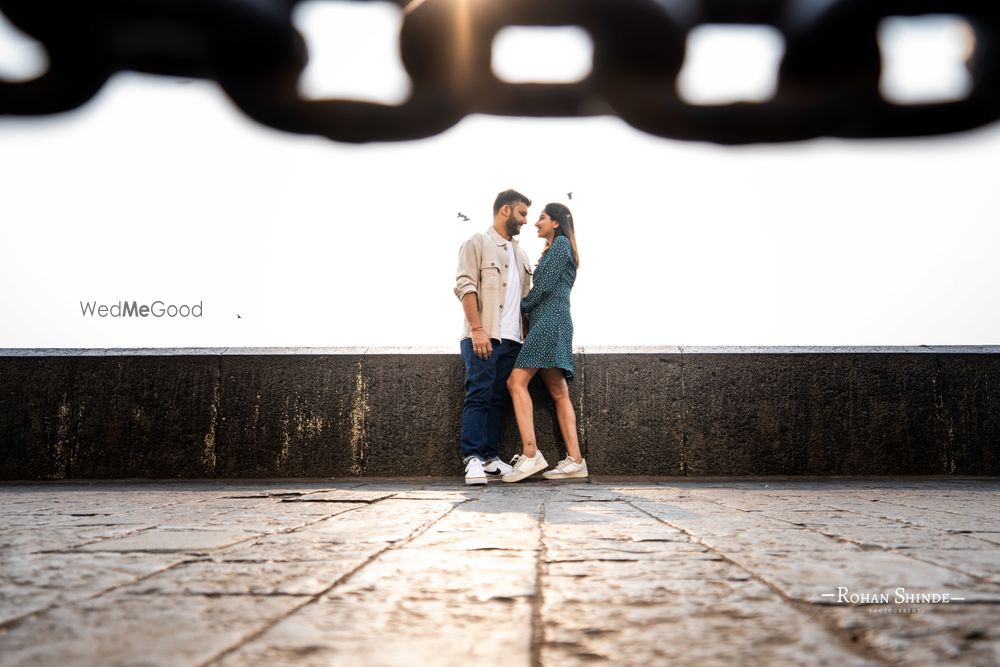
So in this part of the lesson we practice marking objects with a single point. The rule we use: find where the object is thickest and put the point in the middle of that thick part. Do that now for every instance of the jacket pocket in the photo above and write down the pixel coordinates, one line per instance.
(489, 275)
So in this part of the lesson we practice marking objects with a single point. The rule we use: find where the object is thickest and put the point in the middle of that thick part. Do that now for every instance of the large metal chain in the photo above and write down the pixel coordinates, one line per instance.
(828, 82)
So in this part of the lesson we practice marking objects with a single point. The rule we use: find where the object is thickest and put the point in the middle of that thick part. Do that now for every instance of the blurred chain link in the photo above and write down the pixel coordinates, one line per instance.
(828, 83)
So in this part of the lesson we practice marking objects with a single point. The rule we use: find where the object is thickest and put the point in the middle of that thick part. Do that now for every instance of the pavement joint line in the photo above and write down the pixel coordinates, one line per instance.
(896, 503)
(870, 547)
(812, 529)
(914, 524)
(984, 581)
(78, 546)
(364, 501)
(537, 627)
(852, 643)
(931, 509)
(292, 529)
(201, 559)
(10, 623)
(206, 550)
(17, 620)
(6, 625)
(300, 494)
(344, 578)
(762, 513)
(223, 594)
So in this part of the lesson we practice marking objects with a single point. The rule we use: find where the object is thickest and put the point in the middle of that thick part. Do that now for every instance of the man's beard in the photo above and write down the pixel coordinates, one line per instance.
(512, 227)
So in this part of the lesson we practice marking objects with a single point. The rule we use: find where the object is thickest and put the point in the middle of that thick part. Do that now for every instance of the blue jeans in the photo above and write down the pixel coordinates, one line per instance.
(485, 394)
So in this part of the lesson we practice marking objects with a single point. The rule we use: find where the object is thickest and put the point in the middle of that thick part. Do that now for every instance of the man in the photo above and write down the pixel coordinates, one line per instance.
(494, 274)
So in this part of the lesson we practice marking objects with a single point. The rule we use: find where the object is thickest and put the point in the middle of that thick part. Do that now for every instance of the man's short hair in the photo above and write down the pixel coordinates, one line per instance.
(508, 197)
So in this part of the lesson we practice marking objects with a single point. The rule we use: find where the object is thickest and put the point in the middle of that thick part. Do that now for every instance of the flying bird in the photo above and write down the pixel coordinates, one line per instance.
(569, 194)
(463, 216)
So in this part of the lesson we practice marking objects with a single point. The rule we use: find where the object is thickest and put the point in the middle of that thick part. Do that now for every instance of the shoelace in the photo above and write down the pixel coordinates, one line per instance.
(565, 463)
(513, 461)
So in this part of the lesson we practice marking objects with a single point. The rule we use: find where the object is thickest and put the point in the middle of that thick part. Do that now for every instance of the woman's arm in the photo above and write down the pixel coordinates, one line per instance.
(559, 256)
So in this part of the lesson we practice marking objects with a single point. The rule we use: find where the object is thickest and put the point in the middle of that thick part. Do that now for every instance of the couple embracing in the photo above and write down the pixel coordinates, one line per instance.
(513, 330)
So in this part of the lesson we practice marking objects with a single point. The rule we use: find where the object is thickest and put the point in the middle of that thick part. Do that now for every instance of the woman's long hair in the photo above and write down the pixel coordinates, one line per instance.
(561, 214)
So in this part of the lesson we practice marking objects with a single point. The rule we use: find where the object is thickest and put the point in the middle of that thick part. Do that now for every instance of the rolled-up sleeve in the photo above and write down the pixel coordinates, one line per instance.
(467, 278)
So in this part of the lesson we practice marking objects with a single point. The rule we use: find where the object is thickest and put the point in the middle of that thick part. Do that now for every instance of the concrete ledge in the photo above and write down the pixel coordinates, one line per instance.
(670, 411)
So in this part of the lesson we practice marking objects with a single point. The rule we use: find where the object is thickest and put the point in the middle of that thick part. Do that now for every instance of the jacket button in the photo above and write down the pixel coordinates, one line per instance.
(492, 264)
(504, 285)
(501, 306)
(506, 266)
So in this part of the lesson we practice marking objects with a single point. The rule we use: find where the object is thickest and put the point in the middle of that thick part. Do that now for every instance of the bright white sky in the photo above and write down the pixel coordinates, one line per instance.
(163, 191)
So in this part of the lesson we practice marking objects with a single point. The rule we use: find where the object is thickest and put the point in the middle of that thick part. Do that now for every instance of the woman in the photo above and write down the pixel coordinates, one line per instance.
(548, 349)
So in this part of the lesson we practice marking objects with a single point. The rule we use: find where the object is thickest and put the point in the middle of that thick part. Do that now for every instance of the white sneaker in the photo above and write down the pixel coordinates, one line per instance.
(496, 467)
(567, 469)
(524, 466)
(474, 473)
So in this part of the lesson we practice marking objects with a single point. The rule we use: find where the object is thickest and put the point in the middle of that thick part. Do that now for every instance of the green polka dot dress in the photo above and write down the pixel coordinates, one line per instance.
(549, 343)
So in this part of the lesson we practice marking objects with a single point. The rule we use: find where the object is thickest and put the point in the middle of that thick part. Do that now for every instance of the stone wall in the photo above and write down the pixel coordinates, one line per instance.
(248, 412)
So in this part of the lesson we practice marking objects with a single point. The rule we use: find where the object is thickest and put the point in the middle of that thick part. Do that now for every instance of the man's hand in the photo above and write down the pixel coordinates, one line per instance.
(481, 344)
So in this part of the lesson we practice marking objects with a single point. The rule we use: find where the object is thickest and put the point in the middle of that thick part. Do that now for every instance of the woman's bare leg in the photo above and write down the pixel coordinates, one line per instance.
(555, 381)
(517, 384)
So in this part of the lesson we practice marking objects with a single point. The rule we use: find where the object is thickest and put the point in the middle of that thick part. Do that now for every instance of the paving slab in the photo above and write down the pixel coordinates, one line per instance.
(31, 582)
(411, 572)
(134, 630)
(165, 540)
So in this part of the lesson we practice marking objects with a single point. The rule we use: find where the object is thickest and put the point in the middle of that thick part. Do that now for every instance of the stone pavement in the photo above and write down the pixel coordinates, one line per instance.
(387, 572)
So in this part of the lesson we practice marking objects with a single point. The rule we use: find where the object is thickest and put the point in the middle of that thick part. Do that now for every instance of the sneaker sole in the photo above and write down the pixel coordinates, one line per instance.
(517, 477)
(570, 475)
(475, 481)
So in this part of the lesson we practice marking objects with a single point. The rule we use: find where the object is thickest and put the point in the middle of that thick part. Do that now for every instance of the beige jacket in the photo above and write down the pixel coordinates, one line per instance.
(482, 268)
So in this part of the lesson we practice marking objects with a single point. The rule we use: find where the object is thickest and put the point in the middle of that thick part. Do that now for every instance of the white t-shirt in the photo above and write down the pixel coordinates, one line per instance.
(510, 321)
